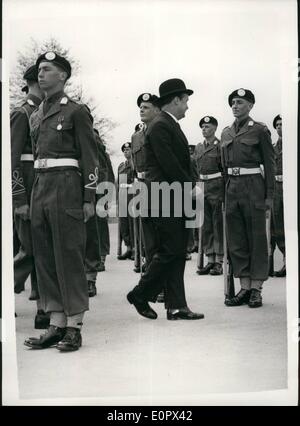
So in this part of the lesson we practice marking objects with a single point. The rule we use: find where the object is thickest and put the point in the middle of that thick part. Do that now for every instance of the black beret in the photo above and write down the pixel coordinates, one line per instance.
(243, 94)
(125, 145)
(30, 74)
(147, 97)
(56, 59)
(278, 117)
(208, 119)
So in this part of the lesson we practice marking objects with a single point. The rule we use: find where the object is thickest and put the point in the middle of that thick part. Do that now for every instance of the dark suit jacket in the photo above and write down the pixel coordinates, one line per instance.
(167, 156)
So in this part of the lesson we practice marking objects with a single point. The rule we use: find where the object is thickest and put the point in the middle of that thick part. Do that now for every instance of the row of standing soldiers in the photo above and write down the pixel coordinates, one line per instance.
(208, 159)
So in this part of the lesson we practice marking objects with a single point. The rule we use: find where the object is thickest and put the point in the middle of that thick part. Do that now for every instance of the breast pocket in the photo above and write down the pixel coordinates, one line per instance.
(62, 134)
(249, 150)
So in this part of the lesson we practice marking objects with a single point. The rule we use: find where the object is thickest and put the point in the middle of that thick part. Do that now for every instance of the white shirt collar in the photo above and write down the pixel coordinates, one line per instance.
(174, 118)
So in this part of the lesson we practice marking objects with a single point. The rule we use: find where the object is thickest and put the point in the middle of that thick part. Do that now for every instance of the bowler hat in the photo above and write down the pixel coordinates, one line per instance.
(278, 117)
(173, 86)
(243, 94)
(147, 97)
(208, 119)
(56, 59)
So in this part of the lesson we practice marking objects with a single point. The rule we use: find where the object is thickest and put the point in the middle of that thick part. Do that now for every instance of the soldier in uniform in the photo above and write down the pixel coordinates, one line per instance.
(277, 210)
(208, 158)
(63, 197)
(124, 182)
(167, 160)
(246, 145)
(93, 227)
(103, 221)
(22, 180)
(148, 106)
(192, 245)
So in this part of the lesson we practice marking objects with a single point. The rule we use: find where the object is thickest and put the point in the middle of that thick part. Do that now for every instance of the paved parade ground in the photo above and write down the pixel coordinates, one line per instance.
(126, 356)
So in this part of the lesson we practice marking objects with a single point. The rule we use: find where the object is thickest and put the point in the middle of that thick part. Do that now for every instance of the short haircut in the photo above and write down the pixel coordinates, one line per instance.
(169, 99)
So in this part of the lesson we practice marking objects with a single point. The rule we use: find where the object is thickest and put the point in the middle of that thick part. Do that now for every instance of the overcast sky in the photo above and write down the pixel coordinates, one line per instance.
(129, 47)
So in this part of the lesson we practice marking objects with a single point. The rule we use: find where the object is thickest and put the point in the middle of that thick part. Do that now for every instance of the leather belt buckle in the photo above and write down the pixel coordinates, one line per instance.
(236, 171)
(42, 163)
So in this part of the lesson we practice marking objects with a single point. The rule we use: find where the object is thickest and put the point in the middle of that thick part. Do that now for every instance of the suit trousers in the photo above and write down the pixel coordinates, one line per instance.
(59, 237)
(246, 226)
(167, 251)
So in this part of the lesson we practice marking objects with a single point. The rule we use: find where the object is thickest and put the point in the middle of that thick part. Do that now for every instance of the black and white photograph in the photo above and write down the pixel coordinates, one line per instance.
(149, 204)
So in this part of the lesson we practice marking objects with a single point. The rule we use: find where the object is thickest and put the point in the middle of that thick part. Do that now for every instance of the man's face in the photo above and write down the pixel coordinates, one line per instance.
(148, 111)
(208, 130)
(182, 106)
(127, 153)
(279, 127)
(240, 107)
(49, 75)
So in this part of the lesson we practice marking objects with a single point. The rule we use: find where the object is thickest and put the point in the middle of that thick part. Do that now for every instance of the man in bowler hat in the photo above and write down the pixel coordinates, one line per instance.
(167, 160)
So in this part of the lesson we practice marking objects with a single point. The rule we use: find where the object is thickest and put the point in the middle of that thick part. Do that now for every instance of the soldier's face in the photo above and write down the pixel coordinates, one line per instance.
(182, 106)
(50, 76)
(148, 111)
(279, 127)
(208, 130)
(127, 153)
(240, 107)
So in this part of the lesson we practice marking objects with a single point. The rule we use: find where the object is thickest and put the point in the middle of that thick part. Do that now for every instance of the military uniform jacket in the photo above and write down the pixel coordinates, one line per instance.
(66, 131)
(137, 150)
(278, 157)
(125, 168)
(208, 157)
(249, 147)
(21, 144)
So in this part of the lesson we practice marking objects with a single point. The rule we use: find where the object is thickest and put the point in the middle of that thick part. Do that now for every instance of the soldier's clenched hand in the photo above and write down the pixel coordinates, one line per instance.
(23, 212)
(88, 211)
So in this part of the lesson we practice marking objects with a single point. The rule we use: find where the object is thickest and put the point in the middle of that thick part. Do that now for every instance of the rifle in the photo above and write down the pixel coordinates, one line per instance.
(200, 254)
(141, 245)
(119, 244)
(136, 243)
(229, 290)
(270, 243)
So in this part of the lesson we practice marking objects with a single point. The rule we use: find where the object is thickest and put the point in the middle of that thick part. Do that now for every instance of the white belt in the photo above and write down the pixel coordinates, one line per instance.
(237, 171)
(27, 157)
(141, 175)
(211, 176)
(278, 178)
(45, 163)
(125, 185)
